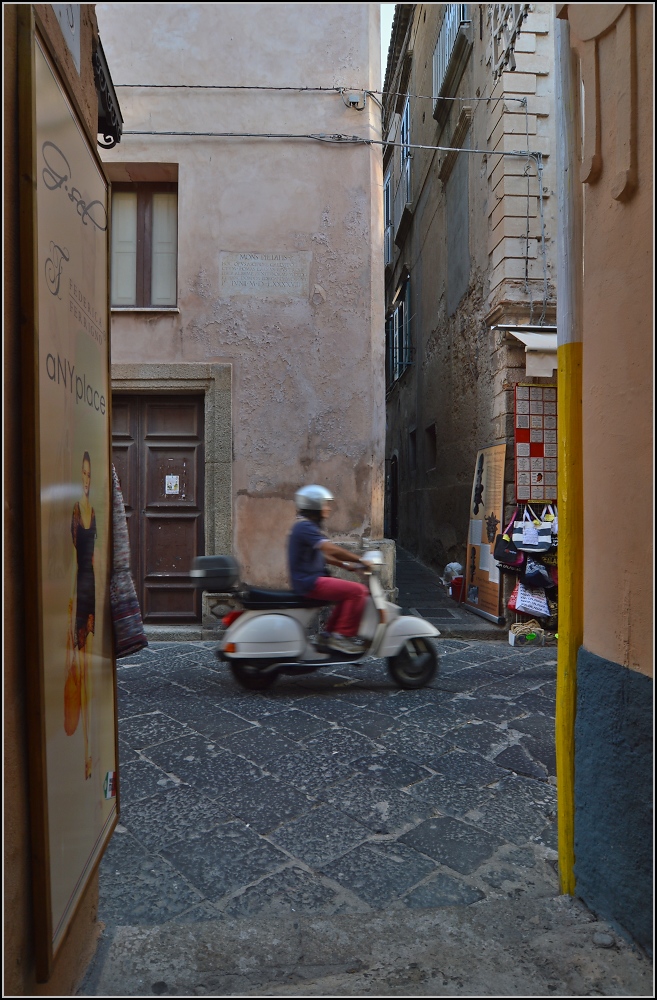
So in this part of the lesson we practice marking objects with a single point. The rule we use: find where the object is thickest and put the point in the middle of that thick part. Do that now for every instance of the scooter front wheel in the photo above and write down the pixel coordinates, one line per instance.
(415, 664)
(251, 677)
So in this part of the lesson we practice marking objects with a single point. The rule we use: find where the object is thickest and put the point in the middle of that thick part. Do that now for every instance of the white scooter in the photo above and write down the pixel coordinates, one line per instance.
(272, 634)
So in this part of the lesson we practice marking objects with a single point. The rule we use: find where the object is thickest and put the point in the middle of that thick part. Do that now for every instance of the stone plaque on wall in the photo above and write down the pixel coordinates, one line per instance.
(265, 275)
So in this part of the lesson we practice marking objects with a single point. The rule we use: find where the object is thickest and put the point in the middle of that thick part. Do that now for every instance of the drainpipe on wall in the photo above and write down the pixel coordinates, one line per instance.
(570, 483)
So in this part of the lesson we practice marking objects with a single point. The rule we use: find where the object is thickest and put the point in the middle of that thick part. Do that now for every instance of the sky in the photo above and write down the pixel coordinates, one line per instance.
(387, 14)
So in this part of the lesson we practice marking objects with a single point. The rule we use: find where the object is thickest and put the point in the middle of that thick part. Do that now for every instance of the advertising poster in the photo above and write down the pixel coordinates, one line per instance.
(74, 770)
(482, 576)
(536, 443)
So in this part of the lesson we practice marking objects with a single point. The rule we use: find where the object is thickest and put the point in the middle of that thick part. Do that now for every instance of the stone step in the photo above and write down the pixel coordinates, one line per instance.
(528, 946)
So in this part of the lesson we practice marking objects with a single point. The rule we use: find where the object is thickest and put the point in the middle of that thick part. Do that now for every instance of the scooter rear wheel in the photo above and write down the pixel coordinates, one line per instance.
(251, 677)
(415, 664)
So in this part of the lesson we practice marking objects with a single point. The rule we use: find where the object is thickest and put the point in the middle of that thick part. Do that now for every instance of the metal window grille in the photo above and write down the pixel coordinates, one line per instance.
(398, 336)
(405, 139)
(387, 220)
(403, 189)
(406, 330)
(456, 14)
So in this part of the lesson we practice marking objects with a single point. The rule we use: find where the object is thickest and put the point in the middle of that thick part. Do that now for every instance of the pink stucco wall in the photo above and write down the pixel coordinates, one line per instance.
(308, 391)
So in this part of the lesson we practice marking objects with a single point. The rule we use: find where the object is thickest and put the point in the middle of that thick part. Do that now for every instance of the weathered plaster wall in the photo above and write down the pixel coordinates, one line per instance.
(307, 396)
(462, 374)
(80, 944)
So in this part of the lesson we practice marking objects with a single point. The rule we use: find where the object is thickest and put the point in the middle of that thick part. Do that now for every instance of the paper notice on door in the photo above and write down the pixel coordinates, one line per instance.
(172, 485)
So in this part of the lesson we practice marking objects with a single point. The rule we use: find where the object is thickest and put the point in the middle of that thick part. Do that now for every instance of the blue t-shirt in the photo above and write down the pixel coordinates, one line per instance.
(305, 559)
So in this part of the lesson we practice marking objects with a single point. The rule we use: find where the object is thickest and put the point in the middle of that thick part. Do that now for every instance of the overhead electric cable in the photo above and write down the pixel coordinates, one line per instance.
(325, 90)
(337, 138)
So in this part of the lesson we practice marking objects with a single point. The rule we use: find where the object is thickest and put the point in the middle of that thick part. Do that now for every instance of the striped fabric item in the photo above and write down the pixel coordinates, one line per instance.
(129, 635)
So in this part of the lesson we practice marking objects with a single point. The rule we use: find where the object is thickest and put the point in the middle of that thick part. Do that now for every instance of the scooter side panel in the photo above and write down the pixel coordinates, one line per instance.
(403, 628)
(270, 637)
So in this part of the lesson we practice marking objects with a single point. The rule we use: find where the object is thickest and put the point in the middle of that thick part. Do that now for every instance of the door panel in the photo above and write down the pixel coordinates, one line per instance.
(158, 441)
(177, 421)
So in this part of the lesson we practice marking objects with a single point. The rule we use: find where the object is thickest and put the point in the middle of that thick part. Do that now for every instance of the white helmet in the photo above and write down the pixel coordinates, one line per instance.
(312, 498)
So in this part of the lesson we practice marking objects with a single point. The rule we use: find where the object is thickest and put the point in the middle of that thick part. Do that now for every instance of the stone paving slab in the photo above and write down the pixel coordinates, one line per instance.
(375, 804)
(391, 769)
(380, 872)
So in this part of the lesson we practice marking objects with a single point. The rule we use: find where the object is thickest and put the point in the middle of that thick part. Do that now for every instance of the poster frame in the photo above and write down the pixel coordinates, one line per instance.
(45, 952)
(496, 616)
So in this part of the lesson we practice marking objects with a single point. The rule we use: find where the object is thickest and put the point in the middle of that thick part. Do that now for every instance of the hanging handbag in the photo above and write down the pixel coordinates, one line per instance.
(511, 603)
(535, 574)
(553, 620)
(531, 534)
(550, 517)
(505, 550)
(532, 601)
(129, 635)
(71, 689)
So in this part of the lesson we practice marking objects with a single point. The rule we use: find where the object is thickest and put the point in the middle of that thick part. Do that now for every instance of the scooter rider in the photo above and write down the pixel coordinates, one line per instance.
(308, 552)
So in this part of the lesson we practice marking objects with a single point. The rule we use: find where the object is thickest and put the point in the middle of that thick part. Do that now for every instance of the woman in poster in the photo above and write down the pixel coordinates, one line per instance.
(83, 533)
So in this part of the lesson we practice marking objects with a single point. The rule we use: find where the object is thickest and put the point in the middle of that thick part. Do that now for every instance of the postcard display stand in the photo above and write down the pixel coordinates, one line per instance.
(536, 443)
(535, 460)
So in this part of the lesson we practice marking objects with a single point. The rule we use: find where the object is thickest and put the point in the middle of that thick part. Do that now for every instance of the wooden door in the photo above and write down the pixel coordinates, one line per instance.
(157, 449)
(394, 498)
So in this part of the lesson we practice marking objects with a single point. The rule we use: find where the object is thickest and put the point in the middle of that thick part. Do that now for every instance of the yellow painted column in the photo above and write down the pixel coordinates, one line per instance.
(570, 482)
(571, 611)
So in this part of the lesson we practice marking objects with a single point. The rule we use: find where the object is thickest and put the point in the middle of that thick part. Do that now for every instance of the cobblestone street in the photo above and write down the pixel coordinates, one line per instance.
(333, 793)
(339, 836)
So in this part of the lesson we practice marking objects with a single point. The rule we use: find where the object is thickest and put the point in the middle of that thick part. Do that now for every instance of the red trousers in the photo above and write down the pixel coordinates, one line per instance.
(349, 598)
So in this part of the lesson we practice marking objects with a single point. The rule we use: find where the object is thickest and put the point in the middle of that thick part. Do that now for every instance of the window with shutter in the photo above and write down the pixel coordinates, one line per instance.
(144, 245)
(124, 248)
(398, 335)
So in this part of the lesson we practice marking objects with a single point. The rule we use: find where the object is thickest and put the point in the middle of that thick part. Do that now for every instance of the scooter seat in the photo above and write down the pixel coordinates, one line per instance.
(256, 599)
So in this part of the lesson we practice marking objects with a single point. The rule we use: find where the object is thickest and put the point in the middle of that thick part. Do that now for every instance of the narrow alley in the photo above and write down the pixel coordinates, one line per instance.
(328, 333)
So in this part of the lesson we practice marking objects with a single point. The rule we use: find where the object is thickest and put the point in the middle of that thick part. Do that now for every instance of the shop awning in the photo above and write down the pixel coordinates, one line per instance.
(540, 347)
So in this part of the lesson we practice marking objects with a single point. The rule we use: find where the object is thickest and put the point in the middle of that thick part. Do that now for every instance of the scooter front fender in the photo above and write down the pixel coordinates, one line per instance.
(400, 631)
(257, 636)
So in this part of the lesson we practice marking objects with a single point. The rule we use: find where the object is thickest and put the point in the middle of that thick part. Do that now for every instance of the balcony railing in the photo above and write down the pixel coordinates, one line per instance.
(449, 58)
(455, 16)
